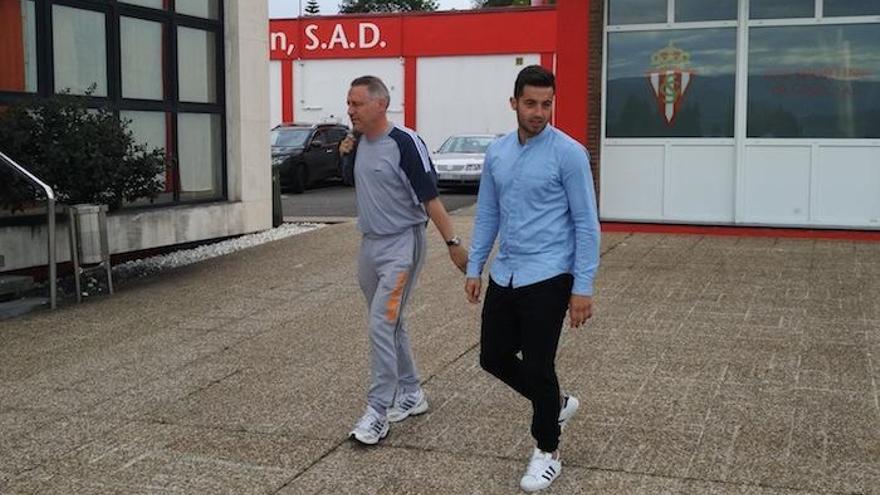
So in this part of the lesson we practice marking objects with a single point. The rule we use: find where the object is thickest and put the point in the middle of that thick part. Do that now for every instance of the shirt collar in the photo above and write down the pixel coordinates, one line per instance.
(384, 133)
(540, 137)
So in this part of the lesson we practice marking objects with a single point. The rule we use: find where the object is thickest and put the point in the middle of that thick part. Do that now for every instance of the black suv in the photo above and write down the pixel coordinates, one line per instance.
(306, 153)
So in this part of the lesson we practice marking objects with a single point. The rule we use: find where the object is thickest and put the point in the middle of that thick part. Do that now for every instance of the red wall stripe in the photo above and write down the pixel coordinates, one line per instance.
(287, 90)
(12, 76)
(572, 52)
(493, 32)
(547, 60)
(409, 91)
(647, 228)
(531, 30)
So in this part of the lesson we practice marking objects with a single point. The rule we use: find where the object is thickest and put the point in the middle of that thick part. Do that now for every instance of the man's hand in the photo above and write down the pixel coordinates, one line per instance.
(347, 145)
(459, 256)
(580, 309)
(472, 288)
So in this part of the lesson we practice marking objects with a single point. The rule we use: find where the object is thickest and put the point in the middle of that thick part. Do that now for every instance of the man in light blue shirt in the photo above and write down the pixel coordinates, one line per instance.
(537, 197)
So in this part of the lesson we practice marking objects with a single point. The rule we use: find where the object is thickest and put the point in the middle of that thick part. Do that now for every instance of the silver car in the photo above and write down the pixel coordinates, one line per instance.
(459, 161)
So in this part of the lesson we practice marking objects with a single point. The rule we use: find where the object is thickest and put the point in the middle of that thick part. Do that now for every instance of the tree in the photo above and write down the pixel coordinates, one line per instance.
(483, 4)
(86, 156)
(362, 6)
(312, 8)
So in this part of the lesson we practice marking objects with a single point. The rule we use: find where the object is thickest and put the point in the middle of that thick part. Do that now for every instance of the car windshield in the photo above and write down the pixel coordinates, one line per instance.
(466, 144)
(290, 137)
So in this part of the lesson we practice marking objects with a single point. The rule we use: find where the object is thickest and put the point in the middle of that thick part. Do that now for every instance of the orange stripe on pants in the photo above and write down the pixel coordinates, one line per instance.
(392, 310)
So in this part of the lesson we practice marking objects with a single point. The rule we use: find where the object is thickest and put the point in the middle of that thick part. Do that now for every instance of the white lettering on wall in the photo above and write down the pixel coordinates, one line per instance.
(313, 39)
(362, 34)
(278, 42)
(338, 38)
(368, 36)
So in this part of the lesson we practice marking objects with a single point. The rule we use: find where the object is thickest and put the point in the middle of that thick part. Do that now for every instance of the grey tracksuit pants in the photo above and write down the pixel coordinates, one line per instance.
(388, 267)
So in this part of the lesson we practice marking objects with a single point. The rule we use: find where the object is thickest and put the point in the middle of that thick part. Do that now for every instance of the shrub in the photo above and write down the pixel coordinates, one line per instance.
(85, 155)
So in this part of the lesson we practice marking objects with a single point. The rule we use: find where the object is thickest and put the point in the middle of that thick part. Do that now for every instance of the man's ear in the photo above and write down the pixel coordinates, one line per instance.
(513, 103)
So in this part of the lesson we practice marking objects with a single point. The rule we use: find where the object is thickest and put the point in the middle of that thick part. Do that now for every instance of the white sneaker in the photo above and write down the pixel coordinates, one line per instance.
(570, 406)
(542, 470)
(406, 405)
(371, 428)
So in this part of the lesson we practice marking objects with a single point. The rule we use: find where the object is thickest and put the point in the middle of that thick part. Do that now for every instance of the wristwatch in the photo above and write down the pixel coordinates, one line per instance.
(455, 241)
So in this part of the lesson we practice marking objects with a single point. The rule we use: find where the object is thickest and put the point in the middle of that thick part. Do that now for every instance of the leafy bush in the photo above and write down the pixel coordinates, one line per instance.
(85, 155)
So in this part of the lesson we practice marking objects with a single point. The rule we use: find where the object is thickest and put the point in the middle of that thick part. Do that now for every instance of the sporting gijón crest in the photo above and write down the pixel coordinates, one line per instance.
(670, 77)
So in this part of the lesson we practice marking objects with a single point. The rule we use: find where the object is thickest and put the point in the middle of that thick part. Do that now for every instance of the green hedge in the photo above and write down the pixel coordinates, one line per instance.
(86, 155)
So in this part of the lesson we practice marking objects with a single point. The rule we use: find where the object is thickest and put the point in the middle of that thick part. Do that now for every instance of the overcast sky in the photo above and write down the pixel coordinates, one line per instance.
(290, 8)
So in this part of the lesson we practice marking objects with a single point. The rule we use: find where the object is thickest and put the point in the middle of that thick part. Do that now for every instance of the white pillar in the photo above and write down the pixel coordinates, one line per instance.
(247, 110)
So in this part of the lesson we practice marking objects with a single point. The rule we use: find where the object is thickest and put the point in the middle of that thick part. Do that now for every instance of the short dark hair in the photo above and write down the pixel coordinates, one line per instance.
(375, 87)
(533, 75)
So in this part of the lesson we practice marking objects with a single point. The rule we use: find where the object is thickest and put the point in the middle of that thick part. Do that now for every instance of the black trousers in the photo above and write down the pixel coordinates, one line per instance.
(528, 319)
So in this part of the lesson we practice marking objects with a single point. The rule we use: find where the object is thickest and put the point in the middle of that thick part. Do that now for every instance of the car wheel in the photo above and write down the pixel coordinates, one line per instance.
(299, 179)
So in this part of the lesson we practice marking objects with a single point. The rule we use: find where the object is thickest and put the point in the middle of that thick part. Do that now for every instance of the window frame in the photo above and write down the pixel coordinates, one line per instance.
(676, 27)
(743, 25)
(747, 101)
(170, 104)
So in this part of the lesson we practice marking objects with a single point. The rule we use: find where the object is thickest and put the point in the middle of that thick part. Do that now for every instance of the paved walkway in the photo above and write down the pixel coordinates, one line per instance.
(714, 365)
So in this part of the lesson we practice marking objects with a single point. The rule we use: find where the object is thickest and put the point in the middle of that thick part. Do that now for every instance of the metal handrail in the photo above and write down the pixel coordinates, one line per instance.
(50, 197)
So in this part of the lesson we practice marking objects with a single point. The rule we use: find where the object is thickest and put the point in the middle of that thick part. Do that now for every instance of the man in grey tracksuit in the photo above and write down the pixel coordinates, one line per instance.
(396, 195)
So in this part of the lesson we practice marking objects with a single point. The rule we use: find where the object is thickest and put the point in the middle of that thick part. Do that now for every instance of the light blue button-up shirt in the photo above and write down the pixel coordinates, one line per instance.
(538, 199)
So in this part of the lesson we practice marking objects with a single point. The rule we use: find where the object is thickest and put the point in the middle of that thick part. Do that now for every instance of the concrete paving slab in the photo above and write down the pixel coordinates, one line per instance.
(51, 440)
(713, 365)
(139, 401)
(834, 367)
(155, 458)
(15, 423)
(664, 404)
(412, 471)
(659, 452)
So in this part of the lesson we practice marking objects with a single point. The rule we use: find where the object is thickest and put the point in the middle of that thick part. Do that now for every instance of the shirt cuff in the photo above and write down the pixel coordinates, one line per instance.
(473, 271)
(582, 288)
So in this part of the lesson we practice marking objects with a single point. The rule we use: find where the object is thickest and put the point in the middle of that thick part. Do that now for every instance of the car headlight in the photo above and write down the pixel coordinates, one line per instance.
(473, 167)
(277, 160)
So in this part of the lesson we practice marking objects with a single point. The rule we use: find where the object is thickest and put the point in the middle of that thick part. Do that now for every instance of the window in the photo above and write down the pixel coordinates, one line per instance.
(851, 7)
(466, 144)
(142, 70)
(781, 9)
(321, 137)
(80, 50)
(199, 153)
(155, 4)
(150, 130)
(701, 10)
(671, 83)
(814, 81)
(18, 46)
(337, 134)
(196, 64)
(636, 11)
(157, 66)
(200, 8)
(290, 137)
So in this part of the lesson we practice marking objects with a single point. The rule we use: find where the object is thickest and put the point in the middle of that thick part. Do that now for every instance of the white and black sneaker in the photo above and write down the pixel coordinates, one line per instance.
(570, 406)
(371, 428)
(406, 405)
(542, 470)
